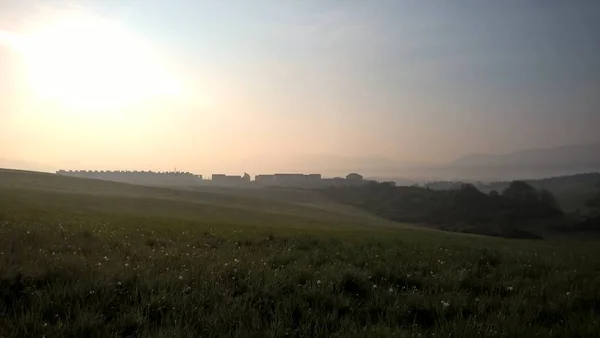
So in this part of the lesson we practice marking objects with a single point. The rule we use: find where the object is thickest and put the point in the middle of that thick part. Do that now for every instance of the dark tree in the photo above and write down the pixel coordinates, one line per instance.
(521, 192)
(594, 202)
(548, 199)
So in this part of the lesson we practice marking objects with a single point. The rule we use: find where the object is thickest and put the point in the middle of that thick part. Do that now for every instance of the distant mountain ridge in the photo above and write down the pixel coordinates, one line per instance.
(326, 164)
(521, 165)
(562, 156)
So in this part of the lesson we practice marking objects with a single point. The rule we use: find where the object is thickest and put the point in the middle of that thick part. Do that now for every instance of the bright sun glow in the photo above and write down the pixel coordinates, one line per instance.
(87, 62)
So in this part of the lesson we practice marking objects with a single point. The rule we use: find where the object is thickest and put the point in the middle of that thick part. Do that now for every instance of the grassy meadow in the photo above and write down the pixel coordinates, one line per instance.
(87, 258)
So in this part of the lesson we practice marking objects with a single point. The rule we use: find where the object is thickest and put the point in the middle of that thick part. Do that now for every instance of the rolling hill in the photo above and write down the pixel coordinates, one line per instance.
(89, 258)
(268, 207)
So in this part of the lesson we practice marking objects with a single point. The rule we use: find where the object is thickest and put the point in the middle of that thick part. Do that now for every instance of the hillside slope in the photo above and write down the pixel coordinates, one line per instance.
(22, 190)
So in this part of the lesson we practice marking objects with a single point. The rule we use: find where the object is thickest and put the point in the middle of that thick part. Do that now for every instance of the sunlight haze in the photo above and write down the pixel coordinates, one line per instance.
(240, 85)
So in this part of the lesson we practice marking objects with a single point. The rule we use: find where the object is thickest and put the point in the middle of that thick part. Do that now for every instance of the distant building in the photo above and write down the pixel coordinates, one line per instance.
(297, 180)
(265, 180)
(289, 180)
(354, 178)
(177, 178)
(334, 182)
(229, 180)
(246, 178)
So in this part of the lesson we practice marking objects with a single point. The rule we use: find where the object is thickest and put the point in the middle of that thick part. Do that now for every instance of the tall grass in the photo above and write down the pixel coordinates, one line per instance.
(102, 265)
(92, 278)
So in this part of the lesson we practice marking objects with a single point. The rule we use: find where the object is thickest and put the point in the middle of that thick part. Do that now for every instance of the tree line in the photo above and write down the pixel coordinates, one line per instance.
(464, 209)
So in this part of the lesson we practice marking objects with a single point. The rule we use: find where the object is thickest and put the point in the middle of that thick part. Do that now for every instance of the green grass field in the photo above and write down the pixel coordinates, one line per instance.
(86, 258)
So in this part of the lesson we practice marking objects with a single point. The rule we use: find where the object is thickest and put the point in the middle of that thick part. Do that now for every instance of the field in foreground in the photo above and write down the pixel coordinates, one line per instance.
(82, 258)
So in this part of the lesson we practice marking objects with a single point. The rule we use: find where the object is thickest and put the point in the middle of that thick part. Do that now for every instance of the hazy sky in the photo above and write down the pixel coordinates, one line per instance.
(202, 85)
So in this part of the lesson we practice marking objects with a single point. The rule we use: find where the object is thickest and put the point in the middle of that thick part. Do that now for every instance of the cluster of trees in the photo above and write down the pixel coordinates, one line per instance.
(571, 191)
(591, 221)
(463, 209)
(594, 202)
(585, 181)
(587, 220)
